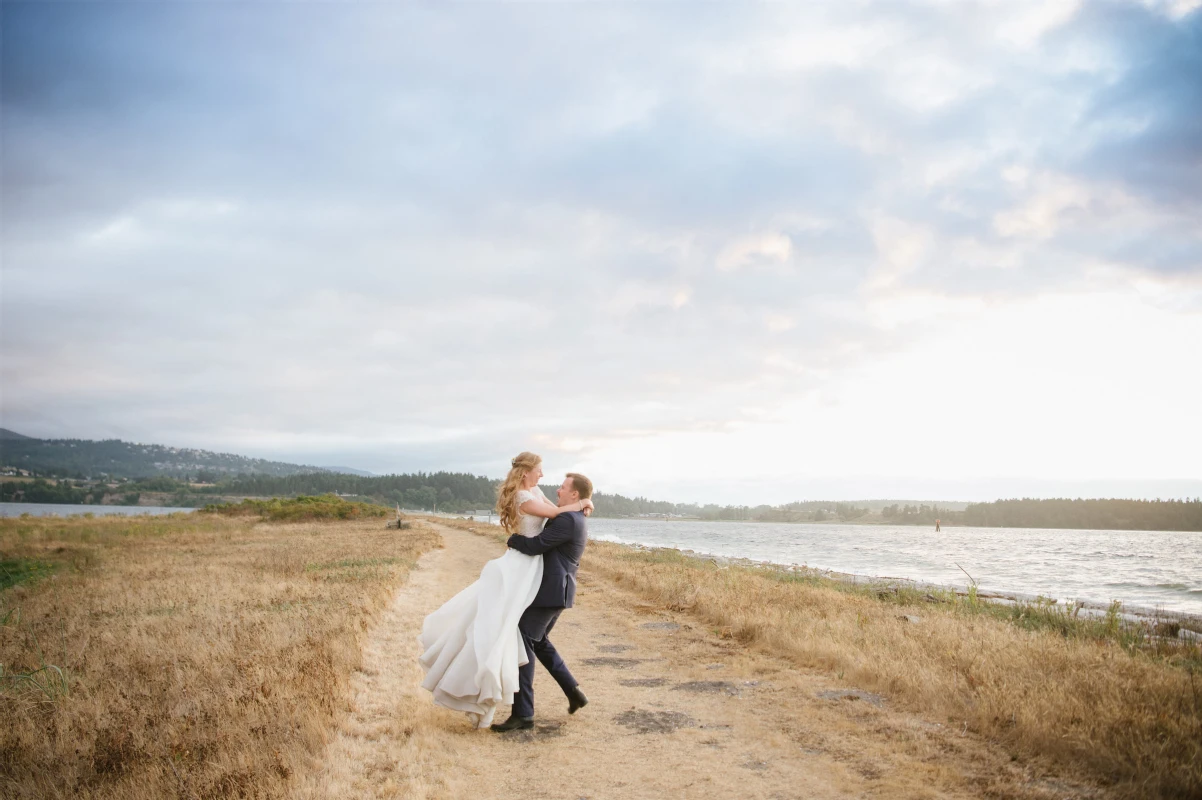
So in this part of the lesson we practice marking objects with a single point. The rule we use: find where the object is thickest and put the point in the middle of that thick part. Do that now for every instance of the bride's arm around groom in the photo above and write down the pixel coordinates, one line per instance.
(561, 543)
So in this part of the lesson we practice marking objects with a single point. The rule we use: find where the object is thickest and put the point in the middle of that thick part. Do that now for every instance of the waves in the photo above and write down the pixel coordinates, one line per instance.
(1139, 568)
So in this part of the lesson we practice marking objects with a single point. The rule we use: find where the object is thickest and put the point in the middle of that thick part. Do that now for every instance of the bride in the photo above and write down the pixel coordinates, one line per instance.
(471, 646)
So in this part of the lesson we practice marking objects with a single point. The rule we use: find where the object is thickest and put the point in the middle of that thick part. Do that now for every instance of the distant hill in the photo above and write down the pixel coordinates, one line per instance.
(876, 505)
(350, 471)
(118, 459)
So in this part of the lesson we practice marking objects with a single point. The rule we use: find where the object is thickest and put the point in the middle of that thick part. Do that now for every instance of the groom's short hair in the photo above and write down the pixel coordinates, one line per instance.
(582, 485)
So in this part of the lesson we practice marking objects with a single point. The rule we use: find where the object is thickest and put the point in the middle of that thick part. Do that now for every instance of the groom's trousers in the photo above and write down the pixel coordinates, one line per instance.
(535, 625)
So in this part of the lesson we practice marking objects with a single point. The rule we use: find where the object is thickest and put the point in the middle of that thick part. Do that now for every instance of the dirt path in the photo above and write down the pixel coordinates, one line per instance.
(675, 711)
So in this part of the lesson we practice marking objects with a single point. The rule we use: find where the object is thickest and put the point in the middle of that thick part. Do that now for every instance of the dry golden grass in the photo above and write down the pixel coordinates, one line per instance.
(210, 657)
(1124, 717)
(203, 656)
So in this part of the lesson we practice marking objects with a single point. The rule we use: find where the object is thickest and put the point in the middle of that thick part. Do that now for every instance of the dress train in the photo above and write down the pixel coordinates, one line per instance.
(471, 645)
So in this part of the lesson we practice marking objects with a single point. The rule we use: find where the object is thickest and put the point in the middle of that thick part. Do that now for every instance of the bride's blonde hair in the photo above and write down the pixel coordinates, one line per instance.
(507, 507)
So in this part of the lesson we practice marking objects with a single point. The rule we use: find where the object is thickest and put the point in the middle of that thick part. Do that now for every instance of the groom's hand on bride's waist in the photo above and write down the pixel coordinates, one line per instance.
(509, 541)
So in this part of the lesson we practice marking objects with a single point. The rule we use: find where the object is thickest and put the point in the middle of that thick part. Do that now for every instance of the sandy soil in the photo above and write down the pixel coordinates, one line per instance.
(675, 711)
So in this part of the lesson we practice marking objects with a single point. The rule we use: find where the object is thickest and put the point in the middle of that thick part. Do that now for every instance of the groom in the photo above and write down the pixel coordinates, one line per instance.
(561, 544)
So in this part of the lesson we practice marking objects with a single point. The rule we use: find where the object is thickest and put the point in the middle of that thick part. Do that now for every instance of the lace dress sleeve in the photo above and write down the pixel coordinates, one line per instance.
(529, 524)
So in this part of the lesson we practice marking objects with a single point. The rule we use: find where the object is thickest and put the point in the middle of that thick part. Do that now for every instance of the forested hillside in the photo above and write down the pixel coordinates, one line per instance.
(84, 458)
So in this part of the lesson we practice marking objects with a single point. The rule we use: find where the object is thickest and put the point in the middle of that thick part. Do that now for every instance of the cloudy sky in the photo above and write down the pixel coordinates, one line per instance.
(708, 252)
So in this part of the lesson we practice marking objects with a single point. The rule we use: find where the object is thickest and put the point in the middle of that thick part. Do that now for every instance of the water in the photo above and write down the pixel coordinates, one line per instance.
(63, 510)
(1154, 569)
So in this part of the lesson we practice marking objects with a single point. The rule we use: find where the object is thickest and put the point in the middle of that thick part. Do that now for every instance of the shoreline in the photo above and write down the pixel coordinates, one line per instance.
(1091, 608)
(878, 523)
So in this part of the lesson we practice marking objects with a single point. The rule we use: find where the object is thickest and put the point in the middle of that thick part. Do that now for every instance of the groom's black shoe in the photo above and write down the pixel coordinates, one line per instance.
(576, 700)
(514, 723)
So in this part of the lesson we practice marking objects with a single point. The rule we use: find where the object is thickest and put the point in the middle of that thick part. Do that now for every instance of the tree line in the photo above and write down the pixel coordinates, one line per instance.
(461, 492)
(616, 505)
(446, 491)
(1099, 514)
(39, 490)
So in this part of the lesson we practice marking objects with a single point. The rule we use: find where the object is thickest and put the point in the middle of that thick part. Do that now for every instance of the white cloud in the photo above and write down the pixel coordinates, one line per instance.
(901, 247)
(124, 231)
(1176, 9)
(779, 323)
(632, 295)
(1024, 23)
(1041, 213)
(759, 250)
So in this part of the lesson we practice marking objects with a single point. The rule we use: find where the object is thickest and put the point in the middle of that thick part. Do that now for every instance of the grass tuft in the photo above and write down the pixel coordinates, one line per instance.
(22, 570)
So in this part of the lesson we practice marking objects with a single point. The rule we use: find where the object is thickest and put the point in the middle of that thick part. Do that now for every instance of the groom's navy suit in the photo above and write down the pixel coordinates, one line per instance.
(561, 544)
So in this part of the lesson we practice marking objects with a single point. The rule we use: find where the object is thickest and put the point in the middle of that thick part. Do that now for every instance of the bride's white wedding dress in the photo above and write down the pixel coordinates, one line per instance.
(471, 646)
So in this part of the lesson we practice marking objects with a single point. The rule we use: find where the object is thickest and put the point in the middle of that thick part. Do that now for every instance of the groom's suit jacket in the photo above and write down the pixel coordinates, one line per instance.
(561, 544)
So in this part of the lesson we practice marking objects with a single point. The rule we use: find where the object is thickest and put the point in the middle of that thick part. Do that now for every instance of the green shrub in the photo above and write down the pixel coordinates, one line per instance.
(298, 509)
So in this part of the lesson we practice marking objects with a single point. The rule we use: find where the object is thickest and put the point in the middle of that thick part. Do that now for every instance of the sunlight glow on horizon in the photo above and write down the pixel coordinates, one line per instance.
(1034, 387)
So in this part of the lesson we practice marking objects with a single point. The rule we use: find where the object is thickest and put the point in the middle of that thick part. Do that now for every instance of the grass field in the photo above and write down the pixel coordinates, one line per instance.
(192, 655)
(207, 655)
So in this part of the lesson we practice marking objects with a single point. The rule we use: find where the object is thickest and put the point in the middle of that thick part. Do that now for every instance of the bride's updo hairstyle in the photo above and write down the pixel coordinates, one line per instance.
(507, 506)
